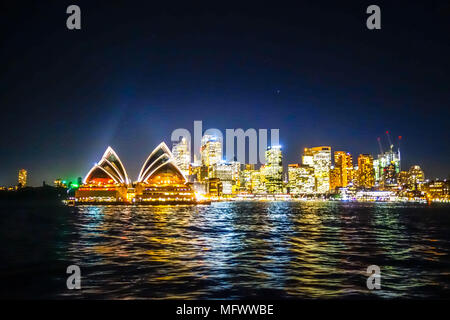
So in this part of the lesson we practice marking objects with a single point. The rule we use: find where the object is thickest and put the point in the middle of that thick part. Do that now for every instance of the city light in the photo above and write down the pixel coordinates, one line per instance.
(170, 177)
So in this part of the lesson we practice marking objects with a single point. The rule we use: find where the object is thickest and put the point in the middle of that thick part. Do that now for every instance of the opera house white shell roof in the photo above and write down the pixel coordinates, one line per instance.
(159, 161)
(110, 168)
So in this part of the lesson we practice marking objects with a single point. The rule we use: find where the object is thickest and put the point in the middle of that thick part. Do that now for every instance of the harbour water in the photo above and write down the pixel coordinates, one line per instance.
(227, 250)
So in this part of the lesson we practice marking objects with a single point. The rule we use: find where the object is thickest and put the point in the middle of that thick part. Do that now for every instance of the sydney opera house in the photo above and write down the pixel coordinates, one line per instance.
(160, 181)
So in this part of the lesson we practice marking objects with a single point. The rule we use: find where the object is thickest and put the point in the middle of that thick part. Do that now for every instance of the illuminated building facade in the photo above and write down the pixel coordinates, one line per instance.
(228, 173)
(22, 178)
(245, 180)
(403, 179)
(236, 171)
(308, 157)
(182, 155)
(197, 172)
(273, 170)
(335, 178)
(416, 177)
(437, 190)
(320, 159)
(211, 150)
(301, 179)
(389, 178)
(365, 173)
(387, 168)
(224, 172)
(343, 161)
(214, 188)
(258, 181)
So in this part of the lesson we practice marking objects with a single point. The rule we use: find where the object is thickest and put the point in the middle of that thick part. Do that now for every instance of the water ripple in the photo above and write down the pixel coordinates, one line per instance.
(258, 250)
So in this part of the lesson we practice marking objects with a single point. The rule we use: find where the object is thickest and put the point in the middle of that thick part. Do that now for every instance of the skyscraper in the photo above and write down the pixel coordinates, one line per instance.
(273, 170)
(335, 178)
(211, 150)
(387, 167)
(343, 165)
(22, 178)
(320, 159)
(365, 173)
(182, 155)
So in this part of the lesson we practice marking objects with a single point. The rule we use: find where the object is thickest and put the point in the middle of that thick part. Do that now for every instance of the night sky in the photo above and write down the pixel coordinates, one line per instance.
(136, 71)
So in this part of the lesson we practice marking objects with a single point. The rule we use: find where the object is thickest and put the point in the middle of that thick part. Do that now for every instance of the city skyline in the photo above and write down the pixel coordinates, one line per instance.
(210, 178)
(221, 158)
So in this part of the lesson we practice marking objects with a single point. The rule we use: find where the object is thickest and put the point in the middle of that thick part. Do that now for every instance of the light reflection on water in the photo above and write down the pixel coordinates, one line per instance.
(260, 250)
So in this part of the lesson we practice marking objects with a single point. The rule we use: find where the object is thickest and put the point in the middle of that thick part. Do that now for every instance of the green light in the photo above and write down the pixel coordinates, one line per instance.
(74, 185)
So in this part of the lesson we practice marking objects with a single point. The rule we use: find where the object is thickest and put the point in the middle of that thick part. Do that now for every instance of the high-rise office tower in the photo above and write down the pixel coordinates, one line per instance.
(22, 178)
(211, 150)
(387, 167)
(273, 170)
(365, 173)
(182, 155)
(335, 178)
(320, 159)
(343, 165)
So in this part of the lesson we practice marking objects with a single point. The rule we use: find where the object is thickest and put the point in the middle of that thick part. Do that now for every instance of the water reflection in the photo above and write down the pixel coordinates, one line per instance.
(260, 250)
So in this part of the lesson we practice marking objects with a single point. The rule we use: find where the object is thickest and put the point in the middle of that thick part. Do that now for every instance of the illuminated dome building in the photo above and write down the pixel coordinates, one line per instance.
(106, 182)
(161, 180)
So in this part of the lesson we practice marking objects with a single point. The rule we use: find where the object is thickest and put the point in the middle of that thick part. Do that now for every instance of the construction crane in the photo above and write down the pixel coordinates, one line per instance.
(399, 158)
(379, 144)
(389, 139)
